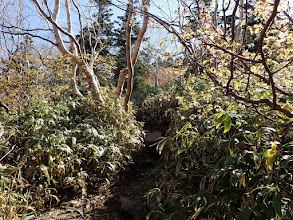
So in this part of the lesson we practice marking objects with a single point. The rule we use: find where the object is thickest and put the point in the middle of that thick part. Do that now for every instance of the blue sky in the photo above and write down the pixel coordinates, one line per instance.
(163, 8)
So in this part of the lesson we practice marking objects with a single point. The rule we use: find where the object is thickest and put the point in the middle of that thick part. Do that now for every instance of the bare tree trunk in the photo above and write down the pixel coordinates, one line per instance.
(215, 22)
(92, 81)
(128, 56)
(124, 72)
(75, 90)
(76, 56)
(120, 83)
(238, 34)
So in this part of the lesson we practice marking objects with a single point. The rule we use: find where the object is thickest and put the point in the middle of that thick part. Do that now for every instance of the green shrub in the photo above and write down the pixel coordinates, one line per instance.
(222, 159)
(58, 148)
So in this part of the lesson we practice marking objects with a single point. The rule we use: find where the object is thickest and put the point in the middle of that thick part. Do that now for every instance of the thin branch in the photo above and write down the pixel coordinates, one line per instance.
(82, 49)
(286, 65)
(145, 5)
(260, 48)
(288, 16)
(29, 34)
(233, 19)
(23, 29)
(233, 54)
(246, 22)
(224, 18)
(231, 74)
(58, 28)
(263, 79)
(12, 149)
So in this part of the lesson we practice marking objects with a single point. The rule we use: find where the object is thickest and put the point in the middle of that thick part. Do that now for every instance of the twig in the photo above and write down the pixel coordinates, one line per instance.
(8, 153)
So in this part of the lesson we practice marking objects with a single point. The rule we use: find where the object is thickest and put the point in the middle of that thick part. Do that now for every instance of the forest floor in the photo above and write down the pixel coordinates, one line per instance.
(104, 203)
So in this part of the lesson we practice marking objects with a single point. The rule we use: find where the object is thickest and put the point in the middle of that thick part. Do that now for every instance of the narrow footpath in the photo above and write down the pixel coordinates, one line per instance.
(107, 202)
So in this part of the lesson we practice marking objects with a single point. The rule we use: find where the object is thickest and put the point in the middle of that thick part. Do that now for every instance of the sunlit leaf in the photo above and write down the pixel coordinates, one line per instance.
(227, 123)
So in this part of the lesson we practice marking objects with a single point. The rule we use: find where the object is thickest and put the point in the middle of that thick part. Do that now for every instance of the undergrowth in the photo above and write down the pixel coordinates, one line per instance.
(222, 160)
(52, 150)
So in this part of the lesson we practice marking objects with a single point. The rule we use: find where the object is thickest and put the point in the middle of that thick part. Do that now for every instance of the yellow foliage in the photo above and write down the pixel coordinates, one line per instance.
(27, 77)
(270, 155)
(187, 36)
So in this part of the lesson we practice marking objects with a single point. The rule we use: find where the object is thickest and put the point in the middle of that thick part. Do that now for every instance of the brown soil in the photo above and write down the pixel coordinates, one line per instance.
(104, 204)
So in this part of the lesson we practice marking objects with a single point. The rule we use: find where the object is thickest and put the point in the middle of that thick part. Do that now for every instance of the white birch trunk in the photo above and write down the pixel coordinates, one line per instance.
(76, 56)
(124, 72)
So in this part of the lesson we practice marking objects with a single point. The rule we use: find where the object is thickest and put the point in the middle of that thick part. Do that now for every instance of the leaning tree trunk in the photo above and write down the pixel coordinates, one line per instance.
(92, 81)
(77, 55)
(128, 56)
(125, 71)
(75, 90)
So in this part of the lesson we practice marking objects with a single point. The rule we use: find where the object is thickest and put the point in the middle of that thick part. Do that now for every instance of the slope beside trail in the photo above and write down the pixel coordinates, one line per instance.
(103, 203)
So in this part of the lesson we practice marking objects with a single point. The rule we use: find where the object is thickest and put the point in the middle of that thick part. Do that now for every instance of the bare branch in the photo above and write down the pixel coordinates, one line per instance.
(29, 34)
(56, 28)
(260, 49)
(234, 54)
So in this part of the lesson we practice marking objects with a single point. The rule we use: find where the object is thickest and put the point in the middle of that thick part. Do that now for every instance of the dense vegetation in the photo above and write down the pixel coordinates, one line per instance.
(227, 150)
(222, 160)
(53, 150)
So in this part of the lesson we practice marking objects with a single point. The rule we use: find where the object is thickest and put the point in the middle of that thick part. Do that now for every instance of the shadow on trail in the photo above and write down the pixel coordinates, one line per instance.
(133, 184)
(104, 203)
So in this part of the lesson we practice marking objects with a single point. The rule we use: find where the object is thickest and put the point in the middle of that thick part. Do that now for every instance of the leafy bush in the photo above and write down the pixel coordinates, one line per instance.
(157, 109)
(56, 149)
(222, 159)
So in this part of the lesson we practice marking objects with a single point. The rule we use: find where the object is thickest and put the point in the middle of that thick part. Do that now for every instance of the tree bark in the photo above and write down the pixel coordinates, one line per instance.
(124, 72)
(238, 37)
(128, 56)
(75, 90)
(77, 56)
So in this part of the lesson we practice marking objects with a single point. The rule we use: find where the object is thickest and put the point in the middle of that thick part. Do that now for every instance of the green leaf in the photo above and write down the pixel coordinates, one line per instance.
(244, 214)
(66, 148)
(269, 212)
(2, 181)
(257, 214)
(7, 170)
(286, 159)
(289, 145)
(45, 170)
(265, 130)
(227, 123)
(38, 123)
(277, 203)
(98, 150)
(220, 115)
(228, 161)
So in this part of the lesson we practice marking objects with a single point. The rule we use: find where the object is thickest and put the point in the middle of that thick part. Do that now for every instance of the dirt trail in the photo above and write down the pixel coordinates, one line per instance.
(104, 204)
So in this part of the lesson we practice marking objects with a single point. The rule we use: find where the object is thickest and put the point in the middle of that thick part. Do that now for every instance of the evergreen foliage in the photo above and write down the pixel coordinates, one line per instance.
(52, 150)
(222, 160)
